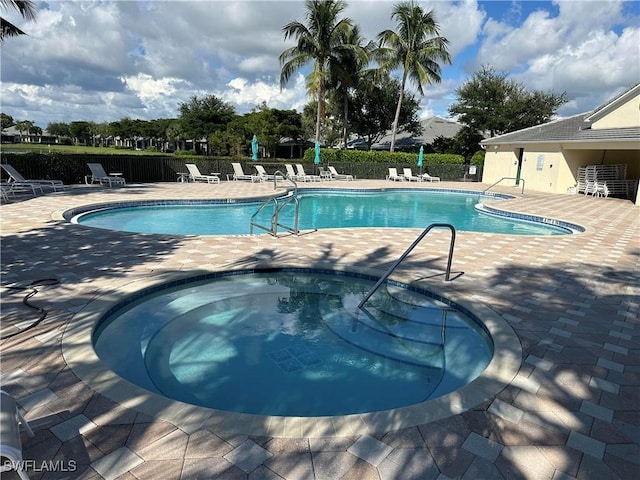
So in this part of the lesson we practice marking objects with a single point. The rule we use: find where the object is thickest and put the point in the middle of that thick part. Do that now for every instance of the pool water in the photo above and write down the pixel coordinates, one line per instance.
(320, 209)
(292, 342)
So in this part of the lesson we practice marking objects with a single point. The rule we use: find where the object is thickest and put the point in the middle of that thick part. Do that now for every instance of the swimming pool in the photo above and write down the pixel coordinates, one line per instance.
(319, 208)
(285, 341)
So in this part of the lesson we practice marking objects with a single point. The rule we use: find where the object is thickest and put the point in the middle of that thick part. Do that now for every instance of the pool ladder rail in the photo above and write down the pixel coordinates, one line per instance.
(279, 203)
(517, 179)
(408, 251)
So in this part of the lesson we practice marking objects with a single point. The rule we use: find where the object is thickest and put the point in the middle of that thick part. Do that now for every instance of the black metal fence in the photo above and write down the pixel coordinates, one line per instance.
(72, 168)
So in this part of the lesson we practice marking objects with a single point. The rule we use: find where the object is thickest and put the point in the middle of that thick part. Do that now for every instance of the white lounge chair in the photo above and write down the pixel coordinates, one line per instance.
(196, 176)
(21, 187)
(324, 174)
(338, 176)
(393, 175)
(99, 175)
(238, 174)
(264, 175)
(16, 177)
(10, 442)
(291, 173)
(409, 176)
(425, 177)
(303, 176)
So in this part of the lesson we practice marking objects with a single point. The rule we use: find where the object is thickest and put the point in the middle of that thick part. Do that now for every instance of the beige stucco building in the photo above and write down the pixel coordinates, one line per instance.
(548, 157)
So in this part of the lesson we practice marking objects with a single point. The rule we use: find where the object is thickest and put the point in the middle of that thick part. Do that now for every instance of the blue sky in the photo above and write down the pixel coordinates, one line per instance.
(106, 60)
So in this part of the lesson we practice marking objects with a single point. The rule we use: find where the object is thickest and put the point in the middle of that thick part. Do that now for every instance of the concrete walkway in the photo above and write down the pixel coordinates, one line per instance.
(573, 301)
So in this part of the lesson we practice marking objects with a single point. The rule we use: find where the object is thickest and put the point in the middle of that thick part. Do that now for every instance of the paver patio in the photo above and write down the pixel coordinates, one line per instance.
(573, 300)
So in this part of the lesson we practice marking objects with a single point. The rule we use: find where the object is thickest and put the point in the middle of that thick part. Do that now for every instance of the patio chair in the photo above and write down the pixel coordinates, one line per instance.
(196, 176)
(99, 175)
(5, 192)
(303, 176)
(13, 188)
(339, 176)
(16, 177)
(291, 173)
(10, 442)
(425, 177)
(264, 175)
(393, 175)
(409, 176)
(324, 174)
(238, 174)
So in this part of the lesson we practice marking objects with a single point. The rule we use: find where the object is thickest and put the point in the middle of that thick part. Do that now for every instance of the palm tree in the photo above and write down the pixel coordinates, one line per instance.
(347, 68)
(416, 48)
(316, 42)
(27, 9)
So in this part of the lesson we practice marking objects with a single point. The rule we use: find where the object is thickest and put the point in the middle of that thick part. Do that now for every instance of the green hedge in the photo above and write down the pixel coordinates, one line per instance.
(478, 158)
(331, 155)
(71, 168)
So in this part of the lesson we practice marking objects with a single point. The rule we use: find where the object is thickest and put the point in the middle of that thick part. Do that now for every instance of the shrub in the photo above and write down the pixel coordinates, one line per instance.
(478, 158)
(331, 156)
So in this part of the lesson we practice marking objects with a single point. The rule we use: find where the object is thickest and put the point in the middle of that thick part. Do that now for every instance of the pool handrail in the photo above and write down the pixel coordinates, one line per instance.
(291, 195)
(506, 178)
(408, 251)
(285, 177)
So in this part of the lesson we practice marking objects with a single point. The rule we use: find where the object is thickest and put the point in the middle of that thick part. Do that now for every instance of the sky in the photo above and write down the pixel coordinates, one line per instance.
(102, 61)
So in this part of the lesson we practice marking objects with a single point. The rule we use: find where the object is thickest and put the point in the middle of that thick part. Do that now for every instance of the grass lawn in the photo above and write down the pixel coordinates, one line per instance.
(45, 148)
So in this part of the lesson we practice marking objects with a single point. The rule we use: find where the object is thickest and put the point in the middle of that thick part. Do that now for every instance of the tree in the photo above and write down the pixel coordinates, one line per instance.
(27, 9)
(467, 142)
(372, 110)
(347, 68)
(200, 117)
(80, 131)
(6, 121)
(490, 102)
(23, 126)
(59, 129)
(176, 134)
(317, 42)
(416, 48)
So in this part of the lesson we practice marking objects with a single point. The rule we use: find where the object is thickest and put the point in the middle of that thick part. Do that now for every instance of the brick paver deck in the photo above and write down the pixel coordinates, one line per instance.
(570, 412)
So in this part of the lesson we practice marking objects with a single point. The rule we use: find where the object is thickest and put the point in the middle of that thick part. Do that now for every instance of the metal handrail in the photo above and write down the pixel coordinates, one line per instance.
(408, 251)
(274, 220)
(286, 177)
(290, 195)
(505, 178)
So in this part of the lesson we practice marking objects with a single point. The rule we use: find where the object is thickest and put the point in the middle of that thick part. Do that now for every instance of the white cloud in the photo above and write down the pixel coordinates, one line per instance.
(149, 89)
(576, 51)
(104, 60)
(461, 23)
(247, 95)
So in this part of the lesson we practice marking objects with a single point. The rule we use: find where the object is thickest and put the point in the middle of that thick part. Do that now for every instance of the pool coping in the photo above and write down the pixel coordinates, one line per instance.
(78, 352)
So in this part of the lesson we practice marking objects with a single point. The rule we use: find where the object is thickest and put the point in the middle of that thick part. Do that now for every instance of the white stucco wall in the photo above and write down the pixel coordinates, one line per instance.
(553, 168)
(544, 169)
(626, 115)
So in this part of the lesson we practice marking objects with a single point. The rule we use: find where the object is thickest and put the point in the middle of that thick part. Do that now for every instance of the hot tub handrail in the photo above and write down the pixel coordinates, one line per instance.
(408, 251)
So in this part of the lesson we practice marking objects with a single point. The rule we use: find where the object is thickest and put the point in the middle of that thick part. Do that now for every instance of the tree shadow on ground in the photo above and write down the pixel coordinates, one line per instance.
(559, 313)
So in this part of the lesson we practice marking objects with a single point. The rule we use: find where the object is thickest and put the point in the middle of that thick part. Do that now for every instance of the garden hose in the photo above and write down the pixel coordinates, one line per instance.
(32, 291)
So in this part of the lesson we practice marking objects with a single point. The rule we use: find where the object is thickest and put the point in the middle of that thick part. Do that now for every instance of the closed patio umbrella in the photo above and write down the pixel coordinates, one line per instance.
(420, 155)
(254, 148)
(316, 160)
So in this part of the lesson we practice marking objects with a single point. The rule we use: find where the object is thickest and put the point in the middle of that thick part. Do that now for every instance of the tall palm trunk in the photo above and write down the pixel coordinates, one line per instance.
(346, 120)
(321, 107)
(394, 131)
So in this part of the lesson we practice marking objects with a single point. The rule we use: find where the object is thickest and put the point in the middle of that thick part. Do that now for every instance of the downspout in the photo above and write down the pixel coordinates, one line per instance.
(519, 168)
